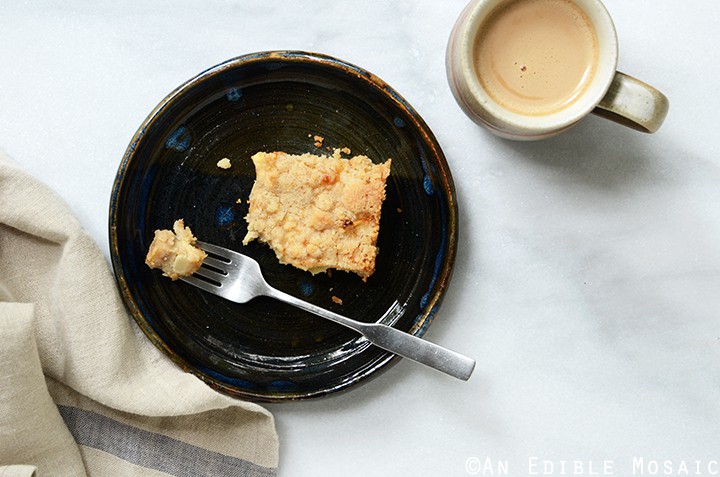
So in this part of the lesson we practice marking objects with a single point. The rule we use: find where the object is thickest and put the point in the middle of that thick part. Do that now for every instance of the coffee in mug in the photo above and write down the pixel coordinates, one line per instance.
(536, 57)
(530, 69)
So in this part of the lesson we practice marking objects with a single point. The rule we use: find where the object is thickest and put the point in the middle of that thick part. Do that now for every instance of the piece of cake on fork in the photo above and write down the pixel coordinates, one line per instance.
(175, 251)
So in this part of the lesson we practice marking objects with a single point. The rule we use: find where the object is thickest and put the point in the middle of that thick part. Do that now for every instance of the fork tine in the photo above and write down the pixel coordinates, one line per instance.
(214, 249)
(211, 274)
(202, 284)
(215, 263)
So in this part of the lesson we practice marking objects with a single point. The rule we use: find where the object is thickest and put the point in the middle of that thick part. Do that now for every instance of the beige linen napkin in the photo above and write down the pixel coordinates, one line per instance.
(82, 391)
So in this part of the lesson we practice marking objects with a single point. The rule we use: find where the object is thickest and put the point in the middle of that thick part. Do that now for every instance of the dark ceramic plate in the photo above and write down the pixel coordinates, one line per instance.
(266, 350)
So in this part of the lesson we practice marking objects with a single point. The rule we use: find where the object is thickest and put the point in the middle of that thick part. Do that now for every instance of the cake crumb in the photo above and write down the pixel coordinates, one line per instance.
(346, 150)
(336, 300)
(318, 140)
(224, 163)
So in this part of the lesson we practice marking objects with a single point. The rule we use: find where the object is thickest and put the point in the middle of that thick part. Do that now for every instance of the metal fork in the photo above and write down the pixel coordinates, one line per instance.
(238, 278)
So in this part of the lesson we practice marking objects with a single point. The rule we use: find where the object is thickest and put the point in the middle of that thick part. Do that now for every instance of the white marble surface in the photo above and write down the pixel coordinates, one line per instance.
(588, 270)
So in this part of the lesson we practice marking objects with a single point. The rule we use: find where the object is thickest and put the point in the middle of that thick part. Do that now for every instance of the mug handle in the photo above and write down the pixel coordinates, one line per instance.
(634, 104)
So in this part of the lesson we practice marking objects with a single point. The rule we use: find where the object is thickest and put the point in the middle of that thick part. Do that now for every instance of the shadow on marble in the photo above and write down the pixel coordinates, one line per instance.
(595, 152)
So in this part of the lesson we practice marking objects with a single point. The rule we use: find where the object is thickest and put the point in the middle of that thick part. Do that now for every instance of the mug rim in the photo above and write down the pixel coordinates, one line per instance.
(482, 108)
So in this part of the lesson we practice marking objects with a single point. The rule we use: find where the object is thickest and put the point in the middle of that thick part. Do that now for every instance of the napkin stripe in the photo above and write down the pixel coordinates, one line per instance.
(151, 450)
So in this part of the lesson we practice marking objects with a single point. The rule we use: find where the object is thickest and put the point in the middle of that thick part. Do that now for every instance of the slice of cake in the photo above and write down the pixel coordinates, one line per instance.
(174, 251)
(318, 212)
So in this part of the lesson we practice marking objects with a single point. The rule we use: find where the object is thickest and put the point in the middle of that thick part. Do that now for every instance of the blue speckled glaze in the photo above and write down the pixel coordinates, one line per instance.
(429, 170)
(243, 383)
(438, 264)
(306, 288)
(398, 121)
(430, 315)
(179, 140)
(224, 216)
(428, 185)
(234, 94)
(436, 273)
(427, 180)
(282, 386)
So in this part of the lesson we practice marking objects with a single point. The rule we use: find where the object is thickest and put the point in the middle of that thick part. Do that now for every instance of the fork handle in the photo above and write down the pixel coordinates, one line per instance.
(393, 340)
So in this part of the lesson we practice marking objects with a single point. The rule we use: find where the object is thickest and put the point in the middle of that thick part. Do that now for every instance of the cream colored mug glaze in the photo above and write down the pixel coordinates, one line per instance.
(530, 69)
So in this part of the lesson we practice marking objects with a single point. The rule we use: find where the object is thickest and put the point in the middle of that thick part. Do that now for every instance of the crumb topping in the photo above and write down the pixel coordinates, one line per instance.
(318, 212)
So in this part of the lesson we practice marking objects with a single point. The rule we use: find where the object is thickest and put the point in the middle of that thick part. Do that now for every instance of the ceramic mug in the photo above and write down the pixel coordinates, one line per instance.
(486, 68)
